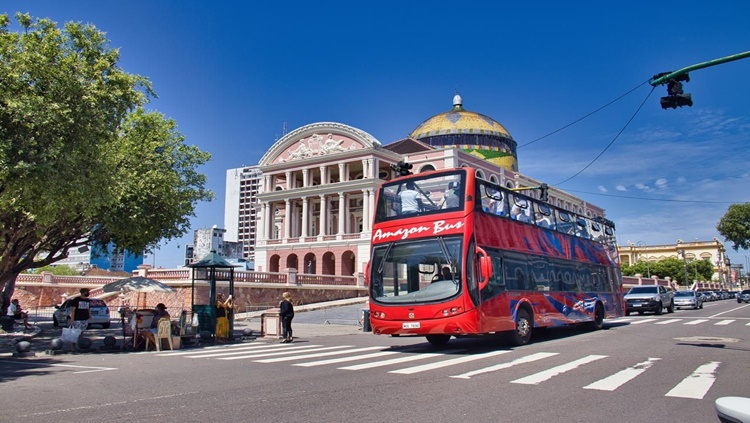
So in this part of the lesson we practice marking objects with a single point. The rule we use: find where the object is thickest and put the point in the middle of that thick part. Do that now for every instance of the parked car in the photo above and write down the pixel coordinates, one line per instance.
(99, 313)
(744, 296)
(688, 298)
(649, 298)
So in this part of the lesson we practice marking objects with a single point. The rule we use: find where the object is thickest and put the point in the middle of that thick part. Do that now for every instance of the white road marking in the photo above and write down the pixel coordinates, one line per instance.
(618, 379)
(724, 322)
(540, 377)
(224, 350)
(398, 360)
(696, 322)
(91, 369)
(666, 322)
(446, 363)
(698, 383)
(642, 321)
(501, 366)
(287, 352)
(345, 359)
(316, 355)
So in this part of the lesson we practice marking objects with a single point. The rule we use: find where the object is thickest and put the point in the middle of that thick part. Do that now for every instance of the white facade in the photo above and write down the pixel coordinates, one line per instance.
(240, 212)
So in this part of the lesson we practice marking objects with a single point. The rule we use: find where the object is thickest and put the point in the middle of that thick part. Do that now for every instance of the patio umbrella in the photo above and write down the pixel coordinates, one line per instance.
(137, 284)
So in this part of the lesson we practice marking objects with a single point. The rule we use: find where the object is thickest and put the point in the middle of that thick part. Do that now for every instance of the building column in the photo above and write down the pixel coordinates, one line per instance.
(342, 173)
(365, 209)
(287, 218)
(341, 213)
(375, 168)
(323, 212)
(305, 176)
(323, 176)
(370, 209)
(261, 229)
(289, 184)
(305, 217)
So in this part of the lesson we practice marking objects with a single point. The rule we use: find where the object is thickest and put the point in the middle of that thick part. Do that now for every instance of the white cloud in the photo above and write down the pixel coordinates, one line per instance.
(622, 188)
(661, 183)
(602, 189)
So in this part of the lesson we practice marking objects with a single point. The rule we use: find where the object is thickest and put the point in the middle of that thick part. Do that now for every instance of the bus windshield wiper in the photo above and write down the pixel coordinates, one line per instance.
(385, 256)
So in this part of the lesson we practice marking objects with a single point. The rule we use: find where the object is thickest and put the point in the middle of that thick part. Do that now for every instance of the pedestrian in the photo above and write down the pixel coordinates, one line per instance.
(80, 313)
(15, 311)
(287, 314)
(409, 201)
(160, 312)
(223, 308)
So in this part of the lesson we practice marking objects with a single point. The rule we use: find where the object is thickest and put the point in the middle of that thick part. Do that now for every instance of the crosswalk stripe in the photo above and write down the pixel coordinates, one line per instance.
(345, 359)
(697, 322)
(618, 379)
(285, 352)
(698, 383)
(747, 324)
(537, 378)
(315, 355)
(723, 322)
(642, 321)
(666, 322)
(253, 351)
(207, 352)
(398, 360)
(207, 349)
(446, 363)
(508, 364)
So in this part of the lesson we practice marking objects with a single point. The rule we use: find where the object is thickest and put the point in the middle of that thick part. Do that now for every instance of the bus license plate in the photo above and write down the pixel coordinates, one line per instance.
(411, 325)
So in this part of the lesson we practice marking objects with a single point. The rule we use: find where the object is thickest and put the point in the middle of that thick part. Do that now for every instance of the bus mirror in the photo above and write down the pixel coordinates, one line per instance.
(485, 268)
(367, 274)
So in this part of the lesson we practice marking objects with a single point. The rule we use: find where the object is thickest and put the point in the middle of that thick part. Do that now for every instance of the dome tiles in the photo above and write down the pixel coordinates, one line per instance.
(472, 132)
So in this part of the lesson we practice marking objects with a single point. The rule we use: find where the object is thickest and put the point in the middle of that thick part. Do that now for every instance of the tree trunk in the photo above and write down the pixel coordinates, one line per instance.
(9, 287)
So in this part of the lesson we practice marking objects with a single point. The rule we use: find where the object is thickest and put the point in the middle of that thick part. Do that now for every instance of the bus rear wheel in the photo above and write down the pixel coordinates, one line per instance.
(522, 334)
(438, 339)
(598, 321)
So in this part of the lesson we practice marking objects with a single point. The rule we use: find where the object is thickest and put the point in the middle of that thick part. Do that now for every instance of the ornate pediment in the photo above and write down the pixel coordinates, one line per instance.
(317, 145)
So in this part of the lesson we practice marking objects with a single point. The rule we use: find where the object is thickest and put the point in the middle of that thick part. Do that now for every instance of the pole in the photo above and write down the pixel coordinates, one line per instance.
(664, 78)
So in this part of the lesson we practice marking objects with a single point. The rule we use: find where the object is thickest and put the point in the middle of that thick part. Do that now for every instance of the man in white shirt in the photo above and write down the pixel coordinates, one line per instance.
(409, 201)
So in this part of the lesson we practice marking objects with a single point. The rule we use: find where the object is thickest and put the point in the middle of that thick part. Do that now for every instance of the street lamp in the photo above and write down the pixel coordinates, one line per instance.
(648, 267)
(684, 261)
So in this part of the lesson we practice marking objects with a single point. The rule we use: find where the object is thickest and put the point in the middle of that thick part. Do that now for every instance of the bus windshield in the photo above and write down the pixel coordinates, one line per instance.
(418, 196)
(410, 272)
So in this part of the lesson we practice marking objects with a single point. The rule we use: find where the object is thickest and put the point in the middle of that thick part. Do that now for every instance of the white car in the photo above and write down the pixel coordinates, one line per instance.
(99, 313)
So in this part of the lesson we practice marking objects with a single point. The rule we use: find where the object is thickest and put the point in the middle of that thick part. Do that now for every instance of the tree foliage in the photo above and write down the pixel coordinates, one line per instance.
(734, 226)
(701, 270)
(81, 159)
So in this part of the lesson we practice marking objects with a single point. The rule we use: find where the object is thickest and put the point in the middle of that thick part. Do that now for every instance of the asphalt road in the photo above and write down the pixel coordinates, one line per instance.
(667, 368)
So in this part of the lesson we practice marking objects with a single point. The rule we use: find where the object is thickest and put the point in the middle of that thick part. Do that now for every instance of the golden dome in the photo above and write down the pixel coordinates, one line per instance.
(472, 132)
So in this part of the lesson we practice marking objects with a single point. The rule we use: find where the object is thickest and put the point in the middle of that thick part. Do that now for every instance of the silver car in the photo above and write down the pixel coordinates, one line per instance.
(99, 313)
(688, 298)
(744, 296)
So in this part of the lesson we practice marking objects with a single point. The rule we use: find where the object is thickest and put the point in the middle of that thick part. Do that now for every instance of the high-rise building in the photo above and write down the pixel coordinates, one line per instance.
(240, 211)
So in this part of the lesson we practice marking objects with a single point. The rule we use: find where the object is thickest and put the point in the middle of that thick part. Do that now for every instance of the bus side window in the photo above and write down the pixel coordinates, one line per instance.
(516, 273)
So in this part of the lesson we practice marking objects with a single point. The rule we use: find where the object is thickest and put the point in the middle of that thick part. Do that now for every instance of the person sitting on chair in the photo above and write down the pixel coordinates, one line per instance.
(160, 312)
(446, 274)
(15, 311)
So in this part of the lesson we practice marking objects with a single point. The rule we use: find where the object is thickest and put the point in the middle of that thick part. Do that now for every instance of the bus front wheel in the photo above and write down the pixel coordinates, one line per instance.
(522, 334)
(438, 339)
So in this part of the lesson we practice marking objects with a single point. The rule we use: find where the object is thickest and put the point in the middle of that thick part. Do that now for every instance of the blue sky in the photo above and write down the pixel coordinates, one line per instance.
(233, 73)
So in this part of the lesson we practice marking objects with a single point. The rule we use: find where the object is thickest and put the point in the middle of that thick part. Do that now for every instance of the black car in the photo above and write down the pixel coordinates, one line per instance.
(744, 296)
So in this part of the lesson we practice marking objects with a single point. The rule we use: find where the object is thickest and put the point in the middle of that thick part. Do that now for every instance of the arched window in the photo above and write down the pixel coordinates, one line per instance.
(427, 168)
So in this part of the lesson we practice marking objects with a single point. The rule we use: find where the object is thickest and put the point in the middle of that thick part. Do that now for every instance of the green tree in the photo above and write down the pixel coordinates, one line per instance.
(734, 226)
(81, 160)
(56, 270)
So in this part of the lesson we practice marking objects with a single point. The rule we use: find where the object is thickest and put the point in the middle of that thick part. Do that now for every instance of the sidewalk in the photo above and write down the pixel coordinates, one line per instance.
(340, 317)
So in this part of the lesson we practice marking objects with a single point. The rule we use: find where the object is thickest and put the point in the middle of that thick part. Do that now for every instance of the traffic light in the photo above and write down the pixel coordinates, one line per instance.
(544, 196)
(676, 97)
(403, 168)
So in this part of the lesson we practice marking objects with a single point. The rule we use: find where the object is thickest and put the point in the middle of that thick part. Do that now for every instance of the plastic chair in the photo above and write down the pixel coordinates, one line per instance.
(164, 331)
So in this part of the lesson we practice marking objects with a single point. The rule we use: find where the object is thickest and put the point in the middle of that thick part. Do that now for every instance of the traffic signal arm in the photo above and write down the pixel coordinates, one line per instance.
(676, 75)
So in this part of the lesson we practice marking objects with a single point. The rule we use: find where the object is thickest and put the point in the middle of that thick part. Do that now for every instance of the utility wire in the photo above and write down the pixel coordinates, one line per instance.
(585, 116)
(656, 199)
(613, 139)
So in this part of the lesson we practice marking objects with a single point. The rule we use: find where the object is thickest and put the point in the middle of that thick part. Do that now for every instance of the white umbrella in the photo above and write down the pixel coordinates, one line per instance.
(137, 284)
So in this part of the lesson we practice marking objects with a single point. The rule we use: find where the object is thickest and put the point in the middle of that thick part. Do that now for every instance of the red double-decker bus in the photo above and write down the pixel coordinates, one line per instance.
(455, 255)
